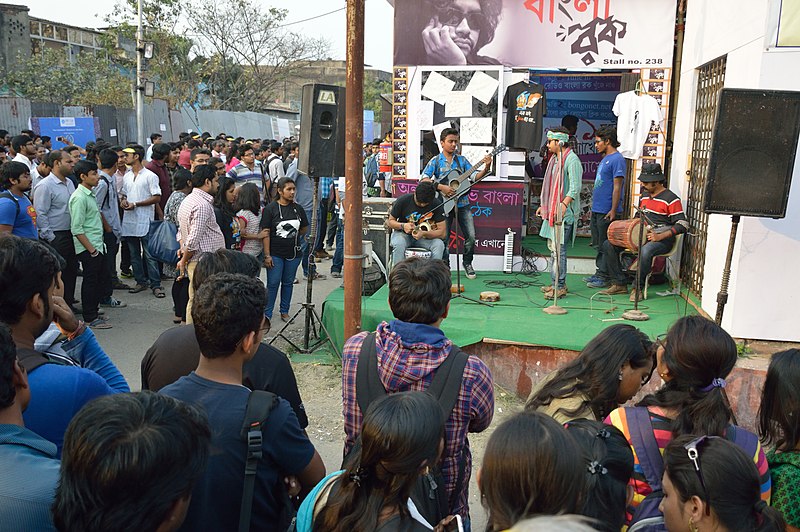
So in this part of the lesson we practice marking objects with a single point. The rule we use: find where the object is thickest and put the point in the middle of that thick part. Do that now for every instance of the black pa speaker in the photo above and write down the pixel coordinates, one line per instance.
(752, 153)
(322, 131)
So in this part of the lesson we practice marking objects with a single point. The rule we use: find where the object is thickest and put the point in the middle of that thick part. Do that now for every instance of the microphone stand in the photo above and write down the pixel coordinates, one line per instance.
(635, 314)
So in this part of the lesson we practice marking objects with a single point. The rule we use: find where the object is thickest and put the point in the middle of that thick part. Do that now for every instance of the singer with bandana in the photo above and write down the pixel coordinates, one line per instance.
(560, 202)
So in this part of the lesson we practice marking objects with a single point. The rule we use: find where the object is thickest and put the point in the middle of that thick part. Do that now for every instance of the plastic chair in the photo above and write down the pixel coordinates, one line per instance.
(675, 247)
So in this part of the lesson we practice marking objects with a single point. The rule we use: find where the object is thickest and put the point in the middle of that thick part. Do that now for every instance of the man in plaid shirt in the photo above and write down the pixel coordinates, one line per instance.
(410, 349)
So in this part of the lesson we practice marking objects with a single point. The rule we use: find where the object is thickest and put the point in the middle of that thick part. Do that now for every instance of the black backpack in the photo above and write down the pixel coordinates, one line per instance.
(9, 195)
(259, 406)
(429, 493)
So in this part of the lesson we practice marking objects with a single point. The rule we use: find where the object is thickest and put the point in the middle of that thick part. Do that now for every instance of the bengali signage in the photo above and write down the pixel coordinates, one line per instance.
(496, 206)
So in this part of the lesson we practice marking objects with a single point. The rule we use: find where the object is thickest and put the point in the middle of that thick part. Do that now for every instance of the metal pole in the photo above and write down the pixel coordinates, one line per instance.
(353, 160)
(722, 295)
(139, 85)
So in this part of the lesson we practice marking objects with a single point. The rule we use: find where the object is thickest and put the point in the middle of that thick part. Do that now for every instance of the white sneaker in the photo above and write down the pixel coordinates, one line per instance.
(470, 271)
(113, 303)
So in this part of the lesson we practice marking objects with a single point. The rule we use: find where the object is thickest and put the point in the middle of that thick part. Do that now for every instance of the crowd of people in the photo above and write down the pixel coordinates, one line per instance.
(217, 438)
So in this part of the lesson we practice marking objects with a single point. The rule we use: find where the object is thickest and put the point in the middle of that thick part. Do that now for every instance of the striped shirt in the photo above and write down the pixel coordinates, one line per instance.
(405, 366)
(665, 209)
(241, 174)
(199, 232)
(662, 430)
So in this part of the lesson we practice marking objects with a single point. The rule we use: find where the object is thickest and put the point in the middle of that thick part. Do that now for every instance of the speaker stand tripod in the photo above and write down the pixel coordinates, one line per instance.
(312, 319)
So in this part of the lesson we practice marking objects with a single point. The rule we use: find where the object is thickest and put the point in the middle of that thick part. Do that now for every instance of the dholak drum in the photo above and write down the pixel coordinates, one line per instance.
(625, 233)
(418, 252)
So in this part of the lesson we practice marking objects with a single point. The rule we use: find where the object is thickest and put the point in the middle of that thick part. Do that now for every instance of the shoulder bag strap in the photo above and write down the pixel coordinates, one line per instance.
(31, 359)
(259, 405)
(644, 443)
(368, 383)
(9, 195)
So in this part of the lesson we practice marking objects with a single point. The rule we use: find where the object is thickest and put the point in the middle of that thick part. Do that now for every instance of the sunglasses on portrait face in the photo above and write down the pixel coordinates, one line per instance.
(452, 17)
(693, 452)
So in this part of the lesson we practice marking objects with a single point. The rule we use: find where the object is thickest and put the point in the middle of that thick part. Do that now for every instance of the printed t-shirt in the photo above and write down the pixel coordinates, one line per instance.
(611, 167)
(526, 104)
(636, 113)
(405, 209)
(251, 246)
(284, 223)
(22, 225)
(217, 496)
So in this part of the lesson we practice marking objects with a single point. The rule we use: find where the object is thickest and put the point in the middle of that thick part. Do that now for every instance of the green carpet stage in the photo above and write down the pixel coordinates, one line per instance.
(518, 317)
(581, 249)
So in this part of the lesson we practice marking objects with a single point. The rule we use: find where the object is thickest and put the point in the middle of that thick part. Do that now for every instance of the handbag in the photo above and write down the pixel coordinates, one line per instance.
(162, 242)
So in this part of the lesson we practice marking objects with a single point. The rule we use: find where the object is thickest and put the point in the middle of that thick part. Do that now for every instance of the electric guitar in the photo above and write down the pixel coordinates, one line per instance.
(462, 181)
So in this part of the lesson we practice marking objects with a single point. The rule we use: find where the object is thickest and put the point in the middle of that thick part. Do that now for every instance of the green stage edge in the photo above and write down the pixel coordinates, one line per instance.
(518, 317)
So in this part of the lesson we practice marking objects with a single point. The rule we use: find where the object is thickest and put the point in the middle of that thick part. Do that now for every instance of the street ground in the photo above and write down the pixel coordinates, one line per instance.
(318, 377)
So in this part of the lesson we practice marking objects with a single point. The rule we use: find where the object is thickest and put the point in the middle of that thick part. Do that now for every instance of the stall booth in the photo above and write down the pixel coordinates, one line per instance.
(503, 72)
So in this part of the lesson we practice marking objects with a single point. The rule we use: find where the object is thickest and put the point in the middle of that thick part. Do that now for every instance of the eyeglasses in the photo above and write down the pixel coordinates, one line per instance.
(693, 452)
(453, 17)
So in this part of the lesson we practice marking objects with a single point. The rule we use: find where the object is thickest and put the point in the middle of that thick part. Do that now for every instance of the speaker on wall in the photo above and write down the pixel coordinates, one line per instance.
(752, 153)
(322, 123)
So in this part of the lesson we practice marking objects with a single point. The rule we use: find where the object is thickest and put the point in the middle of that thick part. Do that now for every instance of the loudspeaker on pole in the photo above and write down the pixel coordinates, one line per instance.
(322, 125)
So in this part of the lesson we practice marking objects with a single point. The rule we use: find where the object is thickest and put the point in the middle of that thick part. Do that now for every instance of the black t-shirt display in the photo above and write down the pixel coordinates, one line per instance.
(176, 354)
(405, 209)
(284, 223)
(526, 104)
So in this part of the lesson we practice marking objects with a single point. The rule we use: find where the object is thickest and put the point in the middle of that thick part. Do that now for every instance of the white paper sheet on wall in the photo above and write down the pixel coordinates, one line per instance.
(474, 153)
(458, 104)
(437, 87)
(437, 131)
(482, 87)
(476, 130)
(425, 115)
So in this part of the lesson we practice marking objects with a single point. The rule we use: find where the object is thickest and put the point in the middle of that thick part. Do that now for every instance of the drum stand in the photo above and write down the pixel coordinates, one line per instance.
(635, 314)
(312, 318)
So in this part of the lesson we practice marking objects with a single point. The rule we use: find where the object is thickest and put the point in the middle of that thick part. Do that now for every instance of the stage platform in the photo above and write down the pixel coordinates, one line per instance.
(521, 344)
(581, 250)
(518, 318)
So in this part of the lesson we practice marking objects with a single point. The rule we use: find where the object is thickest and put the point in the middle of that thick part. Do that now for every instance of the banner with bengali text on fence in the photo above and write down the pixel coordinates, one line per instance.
(604, 34)
(496, 206)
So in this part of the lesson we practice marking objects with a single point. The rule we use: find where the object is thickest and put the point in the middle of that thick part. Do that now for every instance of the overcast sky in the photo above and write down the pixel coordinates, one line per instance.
(378, 23)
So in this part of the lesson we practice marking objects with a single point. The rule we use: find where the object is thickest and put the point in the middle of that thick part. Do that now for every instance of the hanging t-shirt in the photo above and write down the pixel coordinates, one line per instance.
(526, 104)
(637, 113)
(610, 168)
(284, 223)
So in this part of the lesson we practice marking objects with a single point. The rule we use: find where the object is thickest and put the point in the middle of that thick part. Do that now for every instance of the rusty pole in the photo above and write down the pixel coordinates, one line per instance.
(353, 163)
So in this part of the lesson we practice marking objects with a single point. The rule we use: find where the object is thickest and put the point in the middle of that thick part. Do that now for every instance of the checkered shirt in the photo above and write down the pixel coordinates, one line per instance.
(199, 231)
(411, 368)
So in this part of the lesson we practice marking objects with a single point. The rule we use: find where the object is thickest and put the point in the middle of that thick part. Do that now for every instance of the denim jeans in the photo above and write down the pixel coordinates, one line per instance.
(599, 227)
(338, 255)
(322, 225)
(649, 250)
(562, 263)
(401, 241)
(305, 248)
(466, 226)
(141, 260)
(280, 275)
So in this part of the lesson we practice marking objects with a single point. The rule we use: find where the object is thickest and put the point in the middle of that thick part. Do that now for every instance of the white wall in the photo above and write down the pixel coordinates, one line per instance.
(764, 289)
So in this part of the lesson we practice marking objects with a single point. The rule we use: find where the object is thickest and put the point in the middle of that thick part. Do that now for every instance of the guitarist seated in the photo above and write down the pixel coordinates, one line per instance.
(415, 223)
(438, 170)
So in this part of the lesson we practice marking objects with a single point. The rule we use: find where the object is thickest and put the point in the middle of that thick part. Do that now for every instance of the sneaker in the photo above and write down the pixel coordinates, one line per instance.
(336, 275)
(598, 283)
(126, 274)
(470, 271)
(614, 289)
(286, 318)
(113, 303)
(100, 323)
(591, 279)
(330, 249)
(562, 292)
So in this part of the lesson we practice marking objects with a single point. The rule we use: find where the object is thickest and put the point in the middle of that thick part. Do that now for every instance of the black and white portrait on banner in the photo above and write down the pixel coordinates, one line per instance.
(605, 34)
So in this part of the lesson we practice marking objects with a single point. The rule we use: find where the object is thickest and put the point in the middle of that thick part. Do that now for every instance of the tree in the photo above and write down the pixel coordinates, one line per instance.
(250, 55)
(92, 80)
(373, 88)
